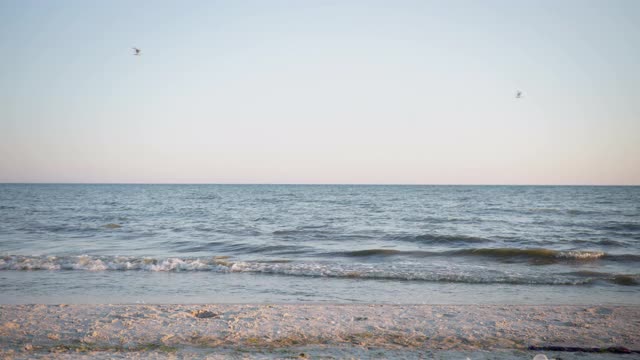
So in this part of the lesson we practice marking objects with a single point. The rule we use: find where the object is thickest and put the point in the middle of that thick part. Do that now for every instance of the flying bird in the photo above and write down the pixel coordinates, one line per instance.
(137, 51)
(518, 94)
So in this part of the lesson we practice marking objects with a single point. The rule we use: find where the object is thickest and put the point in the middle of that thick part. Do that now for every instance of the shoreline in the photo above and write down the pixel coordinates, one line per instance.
(332, 330)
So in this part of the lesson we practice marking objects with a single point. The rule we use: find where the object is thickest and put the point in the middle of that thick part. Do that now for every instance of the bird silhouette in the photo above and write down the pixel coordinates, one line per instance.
(137, 51)
(518, 94)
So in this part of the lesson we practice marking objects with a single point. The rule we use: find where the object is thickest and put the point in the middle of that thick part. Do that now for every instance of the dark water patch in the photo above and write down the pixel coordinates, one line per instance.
(64, 228)
(599, 350)
(206, 197)
(357, 236)
(599, 242)
(442, 220)
(110, 203)
(273, 200)
(183, 244)
(443, 239)
(319, 226)
(304, 232)
(603, 202)
(245, 248)
(589, 273)
(536, 256)
(620, 226)
(372, 252)
(304, 229)
(626, 280)
(276, 249)
(618, 279)
(543, 210)
(204, 229)
(99, 218)
(546, 256)
(198, 248)
(287, 232)
(238, 231)
(582, 212)
(630, 258)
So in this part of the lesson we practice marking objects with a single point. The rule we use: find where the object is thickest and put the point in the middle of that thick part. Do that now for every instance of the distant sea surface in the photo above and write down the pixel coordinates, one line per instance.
(317, 243)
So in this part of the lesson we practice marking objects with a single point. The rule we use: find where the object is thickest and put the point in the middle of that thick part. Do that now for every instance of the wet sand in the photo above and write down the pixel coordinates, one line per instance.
(312, 331)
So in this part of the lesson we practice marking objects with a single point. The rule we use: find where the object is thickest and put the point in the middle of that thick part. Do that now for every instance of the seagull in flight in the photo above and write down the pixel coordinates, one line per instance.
(518, 94)
(137, 51)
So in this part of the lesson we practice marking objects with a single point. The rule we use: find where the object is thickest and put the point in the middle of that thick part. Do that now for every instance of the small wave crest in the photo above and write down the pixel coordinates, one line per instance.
(535, 253)
(618, 279)
(536, 256)
(486, 252)
(106, 263)
(401, 274)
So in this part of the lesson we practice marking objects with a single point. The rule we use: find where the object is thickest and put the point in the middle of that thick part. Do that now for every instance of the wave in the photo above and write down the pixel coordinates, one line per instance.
(620, 279)
(106, 263)
(536, 255)
(222, 264)
(367, 273)
(539, 253)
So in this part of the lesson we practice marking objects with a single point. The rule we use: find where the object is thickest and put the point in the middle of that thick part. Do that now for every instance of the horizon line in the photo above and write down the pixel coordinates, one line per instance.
(305, 184)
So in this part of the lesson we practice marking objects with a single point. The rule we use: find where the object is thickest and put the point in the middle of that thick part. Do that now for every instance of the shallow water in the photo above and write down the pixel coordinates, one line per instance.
(299, 243)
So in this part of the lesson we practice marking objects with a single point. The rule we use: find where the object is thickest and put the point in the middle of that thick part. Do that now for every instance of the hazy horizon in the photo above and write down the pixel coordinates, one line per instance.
(326, 92)
(314, 184)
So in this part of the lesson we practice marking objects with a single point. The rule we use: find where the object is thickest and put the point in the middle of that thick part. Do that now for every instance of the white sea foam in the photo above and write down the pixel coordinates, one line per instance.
(580, 255)
(89, 263)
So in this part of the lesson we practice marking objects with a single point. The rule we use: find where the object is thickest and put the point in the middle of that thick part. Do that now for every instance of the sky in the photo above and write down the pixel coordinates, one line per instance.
(321, 92)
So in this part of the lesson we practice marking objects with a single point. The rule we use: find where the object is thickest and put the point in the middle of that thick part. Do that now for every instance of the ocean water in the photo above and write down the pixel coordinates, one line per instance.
(319, 243)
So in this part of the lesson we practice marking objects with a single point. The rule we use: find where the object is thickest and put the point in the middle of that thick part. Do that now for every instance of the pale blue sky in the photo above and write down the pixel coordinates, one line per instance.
(411, 92)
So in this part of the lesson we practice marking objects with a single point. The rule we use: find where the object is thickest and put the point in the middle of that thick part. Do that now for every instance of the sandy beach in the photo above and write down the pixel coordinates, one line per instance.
(319, 331)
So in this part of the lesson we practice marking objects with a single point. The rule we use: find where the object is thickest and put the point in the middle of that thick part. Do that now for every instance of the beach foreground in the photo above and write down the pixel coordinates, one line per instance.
(327, 331)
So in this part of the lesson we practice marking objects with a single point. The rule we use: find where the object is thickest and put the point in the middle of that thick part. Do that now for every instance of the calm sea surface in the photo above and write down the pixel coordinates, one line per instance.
(297, 243)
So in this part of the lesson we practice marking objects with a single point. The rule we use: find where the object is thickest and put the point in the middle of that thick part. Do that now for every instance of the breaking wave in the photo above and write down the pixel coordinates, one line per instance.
(500, 254)
(540, 253)
(223, 264)
(113, 263)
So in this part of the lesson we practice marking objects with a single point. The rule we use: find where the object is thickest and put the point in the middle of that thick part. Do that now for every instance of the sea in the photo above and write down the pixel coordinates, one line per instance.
(131, 243)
